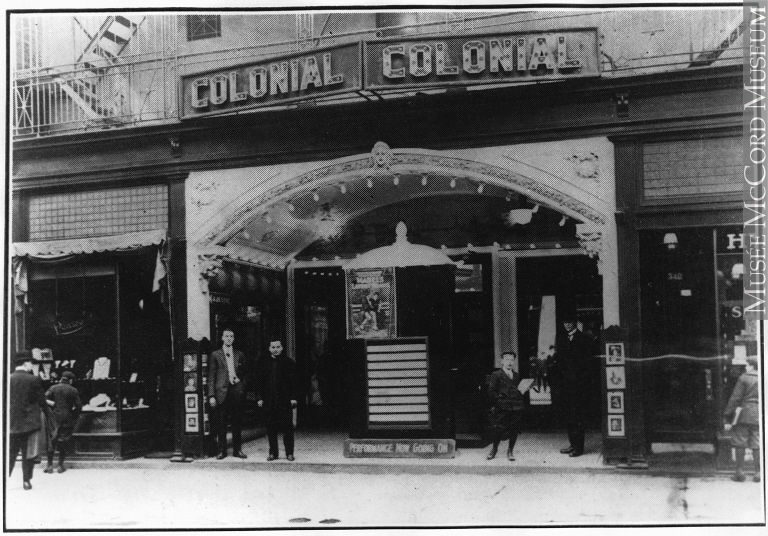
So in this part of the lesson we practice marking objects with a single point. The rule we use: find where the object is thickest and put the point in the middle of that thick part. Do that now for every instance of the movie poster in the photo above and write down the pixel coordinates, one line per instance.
(371, 304)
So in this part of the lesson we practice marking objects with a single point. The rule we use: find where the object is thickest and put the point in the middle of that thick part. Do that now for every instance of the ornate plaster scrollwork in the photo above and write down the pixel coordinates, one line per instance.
(209, 267)
(204, 193)
(590, 236)
(586, 166)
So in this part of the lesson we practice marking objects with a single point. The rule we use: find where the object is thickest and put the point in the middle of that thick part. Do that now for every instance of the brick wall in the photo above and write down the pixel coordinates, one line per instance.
(692, 168)
(98, 212)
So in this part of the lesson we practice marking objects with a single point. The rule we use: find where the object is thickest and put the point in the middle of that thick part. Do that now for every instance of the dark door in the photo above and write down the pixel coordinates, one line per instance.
(679, 334)
(551, 287)
(473, 343)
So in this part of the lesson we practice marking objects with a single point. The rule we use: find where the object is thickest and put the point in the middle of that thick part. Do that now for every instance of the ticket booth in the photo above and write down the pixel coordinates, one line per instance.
(399, 341)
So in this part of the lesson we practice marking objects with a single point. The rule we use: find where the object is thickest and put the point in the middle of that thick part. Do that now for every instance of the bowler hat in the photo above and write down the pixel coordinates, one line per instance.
(22, 356)
(68, 375)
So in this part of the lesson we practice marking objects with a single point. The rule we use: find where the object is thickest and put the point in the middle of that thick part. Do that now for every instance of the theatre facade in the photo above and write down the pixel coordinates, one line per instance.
(401, 211)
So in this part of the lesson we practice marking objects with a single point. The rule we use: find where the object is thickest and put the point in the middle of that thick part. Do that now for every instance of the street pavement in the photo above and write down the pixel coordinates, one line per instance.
(164, 495)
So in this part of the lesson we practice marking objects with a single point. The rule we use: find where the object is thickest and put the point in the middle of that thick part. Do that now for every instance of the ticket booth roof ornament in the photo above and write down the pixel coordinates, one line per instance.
(399, 255)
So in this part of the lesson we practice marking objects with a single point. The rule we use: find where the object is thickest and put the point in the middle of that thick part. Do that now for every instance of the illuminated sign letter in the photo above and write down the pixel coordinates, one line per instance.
(234, 95)
(294, 75)
(541, 55)
(278, 78)
(501, 55)
(388, 71)
(421, 59)
(198, 100)
(218, 89)
(442, 67)
(330, 78)
(257, 82)
(522, 62)
(474, 57)
(562, 55)
(311, 73)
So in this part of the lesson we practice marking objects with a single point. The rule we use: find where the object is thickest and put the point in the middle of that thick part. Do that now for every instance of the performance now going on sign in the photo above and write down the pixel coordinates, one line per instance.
(399, 448)
(404, 62)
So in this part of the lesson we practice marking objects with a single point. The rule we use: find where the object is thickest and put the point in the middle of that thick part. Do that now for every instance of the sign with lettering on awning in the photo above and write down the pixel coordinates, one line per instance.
(390, 64)
(496, 58)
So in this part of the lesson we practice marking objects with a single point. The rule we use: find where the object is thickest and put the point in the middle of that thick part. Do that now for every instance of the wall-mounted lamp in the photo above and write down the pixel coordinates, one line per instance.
(670, 240)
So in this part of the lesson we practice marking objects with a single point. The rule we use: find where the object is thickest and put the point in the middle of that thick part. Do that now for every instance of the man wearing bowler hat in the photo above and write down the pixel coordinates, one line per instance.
(572, 358)
(26, 400)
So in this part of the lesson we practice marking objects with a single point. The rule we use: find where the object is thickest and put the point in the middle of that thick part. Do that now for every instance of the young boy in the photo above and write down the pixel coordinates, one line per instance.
(745, 434)
(65, 399)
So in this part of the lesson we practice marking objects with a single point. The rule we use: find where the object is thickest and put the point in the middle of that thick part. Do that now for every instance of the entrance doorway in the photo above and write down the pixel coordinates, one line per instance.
(549, 287)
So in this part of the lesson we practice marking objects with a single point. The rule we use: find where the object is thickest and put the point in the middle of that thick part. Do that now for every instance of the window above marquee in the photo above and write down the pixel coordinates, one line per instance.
(203, 27)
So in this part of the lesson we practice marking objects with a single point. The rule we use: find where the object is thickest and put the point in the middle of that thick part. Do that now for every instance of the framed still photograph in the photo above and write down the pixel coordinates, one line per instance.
(616, 426)
(615, 402)
(614, 352)
(192, 423)
(190, 402)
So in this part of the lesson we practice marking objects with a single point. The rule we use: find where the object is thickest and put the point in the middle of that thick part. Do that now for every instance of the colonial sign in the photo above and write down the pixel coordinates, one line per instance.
(389, 64)
(463, 60)
(321, 73)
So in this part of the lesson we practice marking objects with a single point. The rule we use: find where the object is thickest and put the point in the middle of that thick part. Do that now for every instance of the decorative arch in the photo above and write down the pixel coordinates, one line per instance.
(537, 185)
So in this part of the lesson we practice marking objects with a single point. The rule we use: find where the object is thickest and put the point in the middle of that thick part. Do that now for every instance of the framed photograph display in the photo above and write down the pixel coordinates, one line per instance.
(616, 402)
(192, 423)
(371, 303)
(616, 426)
(190, 402)
(615, 378)
(614, 352)
(190, 382)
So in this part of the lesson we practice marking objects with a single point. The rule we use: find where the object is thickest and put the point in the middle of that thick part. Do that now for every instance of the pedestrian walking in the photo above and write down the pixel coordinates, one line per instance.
(743, 419)
(506, 405)
(27, 401)
(276, 393)
(226, 375)
(65, 400)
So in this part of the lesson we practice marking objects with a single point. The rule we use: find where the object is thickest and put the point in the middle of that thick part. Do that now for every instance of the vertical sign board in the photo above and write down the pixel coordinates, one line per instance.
(616, 384)
(195, 376)
(397, 377)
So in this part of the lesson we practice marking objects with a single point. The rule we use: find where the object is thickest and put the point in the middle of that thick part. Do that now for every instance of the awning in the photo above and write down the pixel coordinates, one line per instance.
(52, 249)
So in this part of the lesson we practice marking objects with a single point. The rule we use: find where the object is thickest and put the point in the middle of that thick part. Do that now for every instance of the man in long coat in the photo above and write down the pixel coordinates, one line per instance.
(27, 400)
(276, 384)
(573, 360)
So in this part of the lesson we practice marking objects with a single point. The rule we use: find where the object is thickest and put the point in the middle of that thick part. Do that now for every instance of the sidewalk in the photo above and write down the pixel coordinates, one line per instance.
(321, 452)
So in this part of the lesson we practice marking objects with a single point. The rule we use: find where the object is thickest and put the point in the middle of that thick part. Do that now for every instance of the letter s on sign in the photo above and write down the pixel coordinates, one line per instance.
(388, 71)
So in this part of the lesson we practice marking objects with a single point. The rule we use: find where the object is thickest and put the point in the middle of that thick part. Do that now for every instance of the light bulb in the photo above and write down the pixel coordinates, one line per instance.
(562, 221)
(369, 182)
(343, 188)
(424, 180)
(453, 183)
(396, 179)
(316, 196)
(480, 188)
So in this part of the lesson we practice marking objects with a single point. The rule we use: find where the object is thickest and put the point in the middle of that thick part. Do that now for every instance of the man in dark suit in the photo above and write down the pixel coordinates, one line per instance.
(572, 359)
(226, 393)
(65, 399)
(276, 394)
(27, 399)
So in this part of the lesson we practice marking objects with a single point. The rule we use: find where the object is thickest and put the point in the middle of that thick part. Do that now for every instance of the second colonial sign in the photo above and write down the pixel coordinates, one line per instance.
(465, 60)
(391, 64)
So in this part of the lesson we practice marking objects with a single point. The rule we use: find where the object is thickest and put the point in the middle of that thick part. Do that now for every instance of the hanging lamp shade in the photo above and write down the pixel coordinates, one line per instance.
(400, 254)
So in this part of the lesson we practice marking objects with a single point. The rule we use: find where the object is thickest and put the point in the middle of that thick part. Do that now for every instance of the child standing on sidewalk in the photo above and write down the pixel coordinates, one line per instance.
(65, 399)
(745, 431)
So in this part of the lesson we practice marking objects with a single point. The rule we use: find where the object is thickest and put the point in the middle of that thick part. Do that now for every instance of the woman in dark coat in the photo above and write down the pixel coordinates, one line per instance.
(506, 405)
